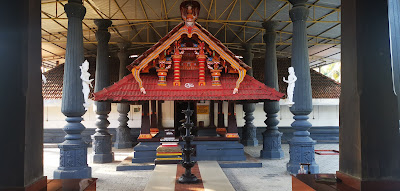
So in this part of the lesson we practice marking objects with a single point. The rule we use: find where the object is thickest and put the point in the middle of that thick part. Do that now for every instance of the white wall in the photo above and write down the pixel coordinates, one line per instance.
(53, 118)
(325, 113)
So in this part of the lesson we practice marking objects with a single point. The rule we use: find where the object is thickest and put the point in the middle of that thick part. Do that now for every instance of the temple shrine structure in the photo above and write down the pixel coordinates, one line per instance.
(188, 65)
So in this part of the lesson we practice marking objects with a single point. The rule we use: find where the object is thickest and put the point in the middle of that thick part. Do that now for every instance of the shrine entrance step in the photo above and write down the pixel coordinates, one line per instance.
(169, 153)
(211, 177)
(127, 164)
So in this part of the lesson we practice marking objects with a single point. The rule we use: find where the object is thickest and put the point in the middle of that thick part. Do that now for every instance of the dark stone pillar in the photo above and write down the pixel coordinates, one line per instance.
(369, 129)
(153, 117)
(21, 110)
(301, 145)
(248, 57)
(394, 22)
(211, 115)
(271, 137)
(73, 151)
(102, 139)
(249, 130)
(145, 128)
(123, 138)
(159, 114)
(231, 131)
(221, 130)
(249, 134)
(221, 123)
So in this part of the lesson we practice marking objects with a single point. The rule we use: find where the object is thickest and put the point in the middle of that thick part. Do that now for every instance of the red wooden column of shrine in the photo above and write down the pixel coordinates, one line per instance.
(145, 128)
(176, 58)
(232, 131)
(201, 58)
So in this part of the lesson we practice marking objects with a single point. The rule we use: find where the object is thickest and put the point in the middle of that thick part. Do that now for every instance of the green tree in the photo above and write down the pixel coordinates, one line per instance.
(332, 71)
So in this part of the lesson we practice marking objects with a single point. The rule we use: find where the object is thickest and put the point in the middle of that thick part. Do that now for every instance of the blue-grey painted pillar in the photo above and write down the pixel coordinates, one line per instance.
(301, 145)
(102, 138)
(248, 57)
(73, 151)
(249, 134)
(394, 23)
(271, 137)
(123, 138)
(369, 129)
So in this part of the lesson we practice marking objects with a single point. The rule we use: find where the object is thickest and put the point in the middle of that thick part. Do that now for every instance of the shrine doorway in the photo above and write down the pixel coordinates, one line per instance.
(179, 116)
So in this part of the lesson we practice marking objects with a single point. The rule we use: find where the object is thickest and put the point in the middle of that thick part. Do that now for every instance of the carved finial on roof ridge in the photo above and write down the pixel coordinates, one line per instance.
(189, 12)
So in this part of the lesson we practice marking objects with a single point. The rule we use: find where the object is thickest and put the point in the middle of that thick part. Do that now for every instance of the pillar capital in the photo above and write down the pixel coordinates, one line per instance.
(123, 46)
(247, 46)
(299, 12)
(298, 2)
(123, 54)
(75, 9)
(248, 56)
(270, 26)
(102, 24)
(102, 34)
(270, 31)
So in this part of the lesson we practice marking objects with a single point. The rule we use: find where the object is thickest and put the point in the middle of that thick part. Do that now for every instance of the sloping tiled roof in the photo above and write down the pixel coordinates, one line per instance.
(53, 88)
(322, 86)
(128, 89)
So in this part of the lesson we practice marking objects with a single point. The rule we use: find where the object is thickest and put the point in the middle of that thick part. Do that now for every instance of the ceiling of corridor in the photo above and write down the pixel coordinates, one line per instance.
(233, 22)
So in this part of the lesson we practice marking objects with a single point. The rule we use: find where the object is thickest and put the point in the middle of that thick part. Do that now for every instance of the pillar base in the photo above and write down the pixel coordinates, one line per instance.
(102, 149)
(123, 139)
(250, 142)
(294, 168)
(272, 148)
(123, 145)
(103, 158)
(80, 173)
(302, 152)
(272, 154)
(73, 161)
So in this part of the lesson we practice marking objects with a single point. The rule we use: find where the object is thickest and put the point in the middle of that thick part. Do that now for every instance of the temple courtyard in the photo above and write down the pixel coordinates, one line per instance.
(272, 175)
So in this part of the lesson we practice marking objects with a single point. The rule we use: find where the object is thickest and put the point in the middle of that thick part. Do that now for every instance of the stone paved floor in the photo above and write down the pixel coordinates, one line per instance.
(272, 176)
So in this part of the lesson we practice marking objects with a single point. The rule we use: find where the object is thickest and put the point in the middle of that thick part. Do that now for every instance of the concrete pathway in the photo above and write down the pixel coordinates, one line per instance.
(163, 178)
